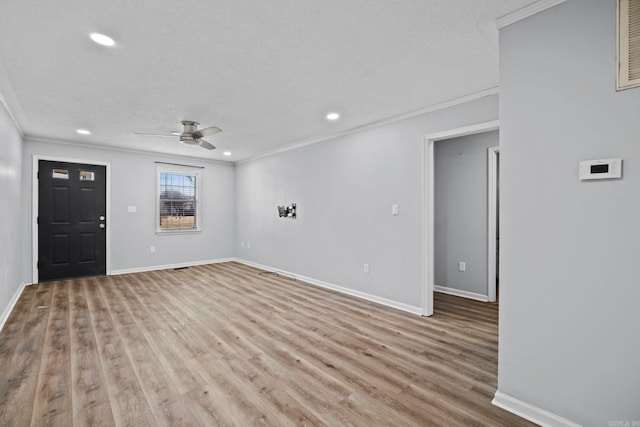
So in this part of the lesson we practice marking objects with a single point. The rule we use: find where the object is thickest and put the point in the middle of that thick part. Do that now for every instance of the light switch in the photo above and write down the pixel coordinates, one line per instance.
(395, 210)
(462, 266)
(132, 209)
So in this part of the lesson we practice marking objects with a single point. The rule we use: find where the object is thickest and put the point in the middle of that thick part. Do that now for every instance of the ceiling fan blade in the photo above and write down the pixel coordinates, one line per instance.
(204, 144)
(206, 131)
(157, 134)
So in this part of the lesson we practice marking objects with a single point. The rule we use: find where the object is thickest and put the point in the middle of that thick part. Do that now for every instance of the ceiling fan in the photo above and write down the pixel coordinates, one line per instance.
(190, 134)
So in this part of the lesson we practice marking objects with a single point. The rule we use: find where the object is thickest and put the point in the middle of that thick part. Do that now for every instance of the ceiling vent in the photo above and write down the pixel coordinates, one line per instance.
(628, 44)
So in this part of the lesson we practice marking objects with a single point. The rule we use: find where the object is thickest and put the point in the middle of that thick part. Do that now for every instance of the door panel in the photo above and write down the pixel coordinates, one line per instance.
(87, 209)
(71, 236)
(61, 209)
(87, 247)
(60, 250)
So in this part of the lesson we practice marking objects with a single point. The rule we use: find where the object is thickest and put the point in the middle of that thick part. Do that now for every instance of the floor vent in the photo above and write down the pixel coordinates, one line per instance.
(628, 44)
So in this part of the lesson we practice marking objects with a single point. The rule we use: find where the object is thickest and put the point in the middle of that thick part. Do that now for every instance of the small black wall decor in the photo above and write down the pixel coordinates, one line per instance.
(287, 211)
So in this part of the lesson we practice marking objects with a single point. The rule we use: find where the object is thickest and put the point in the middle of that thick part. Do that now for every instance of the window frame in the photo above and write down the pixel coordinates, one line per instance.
(160, 169)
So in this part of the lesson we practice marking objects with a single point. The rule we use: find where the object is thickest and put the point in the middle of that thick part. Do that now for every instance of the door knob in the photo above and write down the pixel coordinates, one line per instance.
(101, 217)
(101, 225)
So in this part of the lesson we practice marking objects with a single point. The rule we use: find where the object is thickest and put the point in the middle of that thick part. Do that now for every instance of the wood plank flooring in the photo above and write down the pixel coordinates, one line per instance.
(222, 344)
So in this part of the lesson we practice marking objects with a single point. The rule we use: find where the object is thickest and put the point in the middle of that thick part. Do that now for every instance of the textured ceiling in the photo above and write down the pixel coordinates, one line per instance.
(265, 71)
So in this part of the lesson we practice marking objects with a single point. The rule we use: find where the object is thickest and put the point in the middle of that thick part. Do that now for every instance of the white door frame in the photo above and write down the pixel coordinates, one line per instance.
(428, 204)
(492, 219)
(34, 207)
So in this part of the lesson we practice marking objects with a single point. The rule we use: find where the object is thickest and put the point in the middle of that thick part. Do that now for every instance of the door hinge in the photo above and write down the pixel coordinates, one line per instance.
(38, 220)
(38, 265)
(38, 175)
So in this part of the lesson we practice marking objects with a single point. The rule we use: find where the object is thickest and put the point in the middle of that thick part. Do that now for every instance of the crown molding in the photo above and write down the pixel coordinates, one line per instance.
(125, 150)
(526, 12)
(435, 107)
(5, 105)
(7, 94)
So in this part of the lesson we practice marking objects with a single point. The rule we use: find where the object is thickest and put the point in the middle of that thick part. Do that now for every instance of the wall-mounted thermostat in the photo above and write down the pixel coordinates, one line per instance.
(601, 169)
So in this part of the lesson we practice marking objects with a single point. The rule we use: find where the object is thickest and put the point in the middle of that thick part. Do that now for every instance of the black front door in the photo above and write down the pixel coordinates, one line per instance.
(71, 220)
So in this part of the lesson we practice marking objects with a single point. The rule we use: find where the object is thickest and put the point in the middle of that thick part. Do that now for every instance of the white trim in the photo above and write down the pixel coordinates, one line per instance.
(5, 105)
(169, 266)
(12, 303)
(89, 146)
(428, 204)
(3, 99)
(428, 228)
(526, 12)
(495, 90)
(530, 412)
(387, 302)
(492, 219)
(435, 107)
(460, 293)
(34, 207)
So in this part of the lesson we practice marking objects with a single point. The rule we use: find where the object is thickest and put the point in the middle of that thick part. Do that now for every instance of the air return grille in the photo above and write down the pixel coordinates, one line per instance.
(628, 44)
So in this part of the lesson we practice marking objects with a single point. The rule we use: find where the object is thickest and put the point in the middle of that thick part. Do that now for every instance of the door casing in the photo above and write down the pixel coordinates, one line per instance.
(428, 204)
(35, 207)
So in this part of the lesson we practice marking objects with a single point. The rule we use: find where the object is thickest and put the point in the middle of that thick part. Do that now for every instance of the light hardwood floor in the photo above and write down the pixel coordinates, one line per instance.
(222, 344)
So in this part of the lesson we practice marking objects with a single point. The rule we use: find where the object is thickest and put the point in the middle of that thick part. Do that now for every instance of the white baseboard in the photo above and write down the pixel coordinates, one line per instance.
(14, 299)
(387, 302)
(169, 266)
(461, 293)
(529, 412)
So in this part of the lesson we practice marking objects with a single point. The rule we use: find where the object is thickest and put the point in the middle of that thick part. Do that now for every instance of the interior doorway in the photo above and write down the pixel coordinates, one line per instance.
(429, 211)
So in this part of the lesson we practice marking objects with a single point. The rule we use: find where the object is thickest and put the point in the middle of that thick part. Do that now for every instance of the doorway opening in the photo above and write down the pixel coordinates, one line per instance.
(429, 211)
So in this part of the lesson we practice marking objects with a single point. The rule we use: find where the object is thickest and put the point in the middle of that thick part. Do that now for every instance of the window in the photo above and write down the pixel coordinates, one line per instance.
(178, 201)
(60, 174)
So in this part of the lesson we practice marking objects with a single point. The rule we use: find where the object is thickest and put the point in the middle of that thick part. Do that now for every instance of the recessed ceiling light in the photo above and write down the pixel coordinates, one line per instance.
(103, 40)
(83, 132)
(227, 153)
(333, 116)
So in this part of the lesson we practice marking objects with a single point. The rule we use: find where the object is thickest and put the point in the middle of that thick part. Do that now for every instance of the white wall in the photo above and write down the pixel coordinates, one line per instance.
(10, 213)
(133, 183)
(570, 288)
(460, 225)
(344, 189)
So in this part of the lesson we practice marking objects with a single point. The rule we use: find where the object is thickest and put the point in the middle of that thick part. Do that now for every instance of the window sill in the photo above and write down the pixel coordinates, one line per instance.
(175, 232)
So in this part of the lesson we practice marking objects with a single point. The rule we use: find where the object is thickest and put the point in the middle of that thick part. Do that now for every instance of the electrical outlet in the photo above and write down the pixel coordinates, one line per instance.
(395, 210)
(152, 249)
(366, 269)
(462, 266)
(248, 245)
(242, 244)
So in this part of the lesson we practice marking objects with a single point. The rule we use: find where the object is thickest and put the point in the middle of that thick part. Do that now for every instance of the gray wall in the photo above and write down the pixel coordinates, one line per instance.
(569, 317)
(133, 182)
(344, 189)
(461, 211)
(10, 213)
